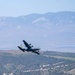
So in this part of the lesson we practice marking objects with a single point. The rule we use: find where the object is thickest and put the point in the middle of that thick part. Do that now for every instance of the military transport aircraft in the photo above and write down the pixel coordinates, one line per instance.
(29, 48)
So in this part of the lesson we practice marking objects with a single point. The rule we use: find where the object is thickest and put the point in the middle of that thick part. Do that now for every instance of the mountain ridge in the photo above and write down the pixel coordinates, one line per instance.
(50, 31)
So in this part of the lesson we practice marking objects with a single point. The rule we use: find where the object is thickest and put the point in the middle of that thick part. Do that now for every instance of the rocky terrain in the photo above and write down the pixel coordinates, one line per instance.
(15, 62)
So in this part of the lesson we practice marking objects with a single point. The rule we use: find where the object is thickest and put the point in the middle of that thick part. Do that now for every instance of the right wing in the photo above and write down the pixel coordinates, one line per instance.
(27, 45)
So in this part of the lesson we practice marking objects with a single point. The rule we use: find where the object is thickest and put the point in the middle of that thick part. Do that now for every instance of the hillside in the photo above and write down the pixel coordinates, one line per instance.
(15, 62)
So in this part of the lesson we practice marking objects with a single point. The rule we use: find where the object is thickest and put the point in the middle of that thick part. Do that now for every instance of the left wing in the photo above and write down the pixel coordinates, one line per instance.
(21, 49)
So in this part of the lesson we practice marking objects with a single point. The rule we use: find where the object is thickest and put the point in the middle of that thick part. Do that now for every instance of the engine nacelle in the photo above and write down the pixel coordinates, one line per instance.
(30, 44)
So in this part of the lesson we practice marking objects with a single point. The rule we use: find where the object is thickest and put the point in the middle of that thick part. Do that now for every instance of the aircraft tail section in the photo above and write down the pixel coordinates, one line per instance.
(37, 53)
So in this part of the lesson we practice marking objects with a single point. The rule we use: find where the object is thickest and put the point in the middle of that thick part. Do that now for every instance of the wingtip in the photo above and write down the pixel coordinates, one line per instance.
(23, 40)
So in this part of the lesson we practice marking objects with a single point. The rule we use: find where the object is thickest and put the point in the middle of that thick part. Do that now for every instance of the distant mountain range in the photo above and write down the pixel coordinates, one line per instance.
(49, 31)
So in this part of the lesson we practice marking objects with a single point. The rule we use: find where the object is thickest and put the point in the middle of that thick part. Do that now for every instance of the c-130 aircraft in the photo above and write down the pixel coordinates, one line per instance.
(29, 48)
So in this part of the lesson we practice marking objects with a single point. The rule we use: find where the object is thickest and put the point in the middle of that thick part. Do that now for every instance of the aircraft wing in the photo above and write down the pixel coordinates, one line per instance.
(21, 49)
(26, 44)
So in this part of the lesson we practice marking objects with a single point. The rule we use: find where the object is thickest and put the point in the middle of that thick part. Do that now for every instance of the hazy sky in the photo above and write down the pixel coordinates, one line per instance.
(24, 7)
